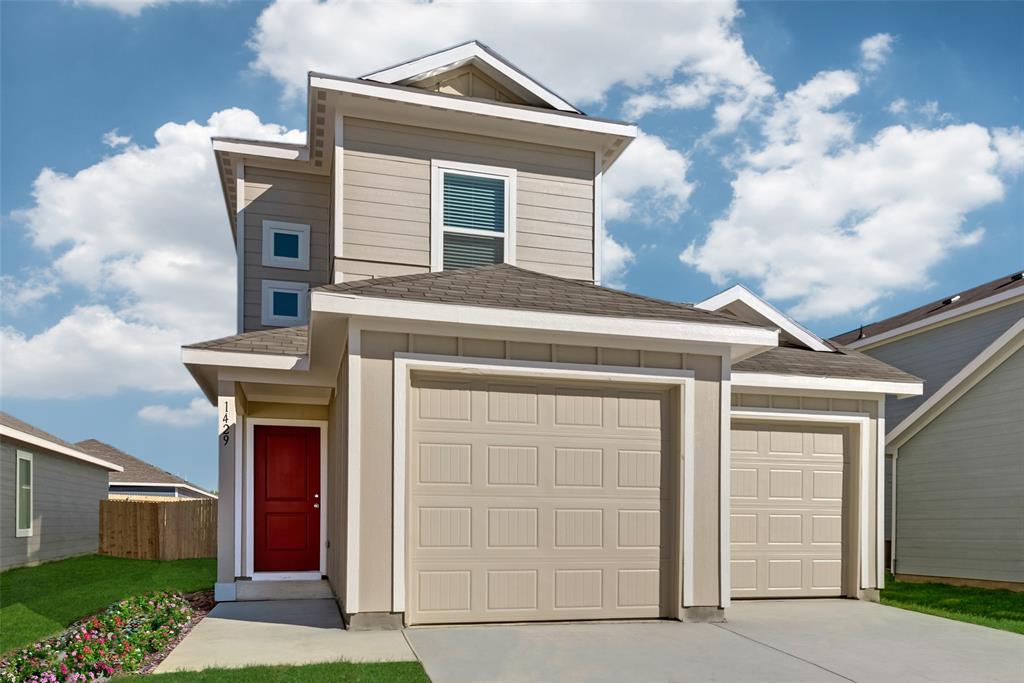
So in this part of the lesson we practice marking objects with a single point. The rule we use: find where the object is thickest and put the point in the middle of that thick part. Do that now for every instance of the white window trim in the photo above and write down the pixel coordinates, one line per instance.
(267, 316)
(437, 229)
(270, 259)
(27, 531)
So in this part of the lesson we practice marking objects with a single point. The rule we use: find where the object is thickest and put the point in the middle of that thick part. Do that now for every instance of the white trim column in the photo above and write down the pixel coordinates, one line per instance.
(229, 507)
(354, 436)
(240, 240)
(880, 496)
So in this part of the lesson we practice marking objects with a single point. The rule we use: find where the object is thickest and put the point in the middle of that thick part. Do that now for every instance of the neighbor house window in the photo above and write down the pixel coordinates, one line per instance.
(286, 245)
(472, 215)
(24, 494)
(284, 303)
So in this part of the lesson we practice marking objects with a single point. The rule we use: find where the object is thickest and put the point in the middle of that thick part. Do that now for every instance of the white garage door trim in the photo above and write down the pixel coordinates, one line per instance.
(863, 422)
(406, 363)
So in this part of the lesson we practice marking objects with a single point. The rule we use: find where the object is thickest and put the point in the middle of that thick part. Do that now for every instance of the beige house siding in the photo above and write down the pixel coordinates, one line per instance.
(387, 199)
(290, 197)
(838, 405)
(376, 453)
(337, 475)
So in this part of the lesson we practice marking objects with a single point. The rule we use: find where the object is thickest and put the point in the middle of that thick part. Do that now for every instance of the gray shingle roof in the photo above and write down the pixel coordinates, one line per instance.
(964, 298)
(509, 287)
(9, 420)
(284, 341)
(135, 470)
(844, 363)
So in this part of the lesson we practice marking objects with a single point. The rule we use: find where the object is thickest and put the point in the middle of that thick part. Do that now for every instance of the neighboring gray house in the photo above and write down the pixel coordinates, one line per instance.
(141, 480)
(955, 455)
(49, 505)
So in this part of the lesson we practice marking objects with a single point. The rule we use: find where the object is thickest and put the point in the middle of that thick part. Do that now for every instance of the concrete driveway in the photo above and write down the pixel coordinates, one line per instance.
(791, 641)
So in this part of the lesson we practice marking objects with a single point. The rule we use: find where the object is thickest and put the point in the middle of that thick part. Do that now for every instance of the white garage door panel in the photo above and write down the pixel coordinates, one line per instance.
(787, 511)
(536, 502)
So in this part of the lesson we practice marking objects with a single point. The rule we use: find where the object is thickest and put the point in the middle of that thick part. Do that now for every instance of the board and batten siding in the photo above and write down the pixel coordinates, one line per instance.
(66, 499)
(938, 354)
(290, 197)
(387, 199)
(960, 485)
(376, 451)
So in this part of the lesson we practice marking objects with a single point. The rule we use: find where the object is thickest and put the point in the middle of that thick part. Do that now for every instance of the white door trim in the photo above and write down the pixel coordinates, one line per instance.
(405, 363)
(863, 422)
(250, 433)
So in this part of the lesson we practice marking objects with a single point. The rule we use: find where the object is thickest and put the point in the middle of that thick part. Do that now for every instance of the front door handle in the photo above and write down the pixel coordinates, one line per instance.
(316, 506)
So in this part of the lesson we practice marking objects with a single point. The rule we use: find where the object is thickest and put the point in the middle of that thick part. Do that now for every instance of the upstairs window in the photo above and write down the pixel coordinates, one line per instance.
(472, 215)
(24, 495)
(284, 304)
(286, 245)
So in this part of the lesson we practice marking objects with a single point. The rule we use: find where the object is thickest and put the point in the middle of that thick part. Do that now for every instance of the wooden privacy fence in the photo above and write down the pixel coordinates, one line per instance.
(147, 530)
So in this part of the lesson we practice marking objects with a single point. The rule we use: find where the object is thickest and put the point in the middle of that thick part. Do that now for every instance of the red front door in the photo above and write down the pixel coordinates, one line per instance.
(286, 499)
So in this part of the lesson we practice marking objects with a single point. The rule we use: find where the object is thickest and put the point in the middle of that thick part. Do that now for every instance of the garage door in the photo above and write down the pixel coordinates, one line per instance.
(534, 501)
(787, 511)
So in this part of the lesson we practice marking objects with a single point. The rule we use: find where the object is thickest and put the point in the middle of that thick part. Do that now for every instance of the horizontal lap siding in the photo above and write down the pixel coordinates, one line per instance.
(292, 198)
(387, 199)
(959, 508)
(65, 507)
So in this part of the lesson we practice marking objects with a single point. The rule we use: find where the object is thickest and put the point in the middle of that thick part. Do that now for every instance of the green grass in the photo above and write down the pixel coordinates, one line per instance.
(995, 608)
(339, 672)
(37, 602)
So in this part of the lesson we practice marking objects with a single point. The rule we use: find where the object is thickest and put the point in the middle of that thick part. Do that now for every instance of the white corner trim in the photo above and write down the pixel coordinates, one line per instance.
(354, 436)
(239, 359)
(598, 216)
(19, 531)
(985, 362)
(892, 521)
(406, 363)
(40, 442)
(374, 307)
(868, 386)
(267, 290)
(951, 316)
(767, 311)
(495, 110)
(251, 423)
(436, 62)
(725, 486)
(301, 230)
(260, 148)
(157, 484)
(880, 495)
(339, 187)
(240, 241)
(863, 423)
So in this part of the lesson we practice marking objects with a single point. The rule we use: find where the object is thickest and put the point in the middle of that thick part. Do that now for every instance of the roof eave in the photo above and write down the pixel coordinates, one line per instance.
(46, 444)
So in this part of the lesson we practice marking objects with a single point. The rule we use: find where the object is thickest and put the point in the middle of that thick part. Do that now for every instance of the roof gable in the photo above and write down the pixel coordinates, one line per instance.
(489, 75)
(13, 428)
(135, 471)
(745, 305)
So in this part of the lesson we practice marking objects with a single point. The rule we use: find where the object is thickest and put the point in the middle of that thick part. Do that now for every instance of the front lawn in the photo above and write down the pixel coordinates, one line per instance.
(996, 608)
(337, 672)
(37, 602)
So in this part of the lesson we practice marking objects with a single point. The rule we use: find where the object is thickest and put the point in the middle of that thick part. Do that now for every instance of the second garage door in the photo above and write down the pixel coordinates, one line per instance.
(537, 501)
(787, 511)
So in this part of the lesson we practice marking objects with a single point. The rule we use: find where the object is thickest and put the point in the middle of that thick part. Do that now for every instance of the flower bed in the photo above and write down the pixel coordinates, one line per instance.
(117, 640)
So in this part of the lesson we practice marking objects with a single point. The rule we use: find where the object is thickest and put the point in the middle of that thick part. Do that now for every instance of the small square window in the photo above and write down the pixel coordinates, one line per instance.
(286, 304)
(286, 245)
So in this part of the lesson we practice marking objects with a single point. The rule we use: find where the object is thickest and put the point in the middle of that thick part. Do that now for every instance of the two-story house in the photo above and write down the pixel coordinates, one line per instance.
(955, 454)
(435, 412)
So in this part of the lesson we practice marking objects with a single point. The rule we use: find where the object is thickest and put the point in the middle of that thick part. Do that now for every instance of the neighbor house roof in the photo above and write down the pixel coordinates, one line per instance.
(20, 430)
(508, 287)
(944, 309)
(136, 472)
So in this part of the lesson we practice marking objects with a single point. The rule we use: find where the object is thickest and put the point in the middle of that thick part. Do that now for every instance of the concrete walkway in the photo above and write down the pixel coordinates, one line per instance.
(808, 641)
(238, 634)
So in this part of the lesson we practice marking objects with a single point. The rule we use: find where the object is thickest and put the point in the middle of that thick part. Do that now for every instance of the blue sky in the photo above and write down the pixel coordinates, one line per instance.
(919, 174)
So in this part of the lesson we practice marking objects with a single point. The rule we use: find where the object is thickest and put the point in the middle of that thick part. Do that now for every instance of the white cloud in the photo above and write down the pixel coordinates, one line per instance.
(197, 412)
(129, 8)
(143, 234)
(616, 258)
(580, 49)
(16, 294)
(1009, 143)
(898, 106)
(112, 139)
(875, 51)
(832, 225)
(651, 172)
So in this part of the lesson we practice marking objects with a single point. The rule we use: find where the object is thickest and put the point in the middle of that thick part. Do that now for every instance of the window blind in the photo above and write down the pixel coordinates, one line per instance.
(474, 202)
(466, 251)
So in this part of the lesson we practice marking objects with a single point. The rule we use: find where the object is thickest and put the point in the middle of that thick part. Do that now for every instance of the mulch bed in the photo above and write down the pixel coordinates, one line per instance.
(202, 602)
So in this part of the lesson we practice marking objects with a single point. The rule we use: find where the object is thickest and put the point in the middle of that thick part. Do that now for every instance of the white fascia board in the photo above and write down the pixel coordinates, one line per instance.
(766, 380)
(984, 363)
(256, 148)
(156, 484)
(470, 106)
(766, 310)
(38, 441)
(462, 53)
(937, 320)
(239, 359)
(369, 307)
